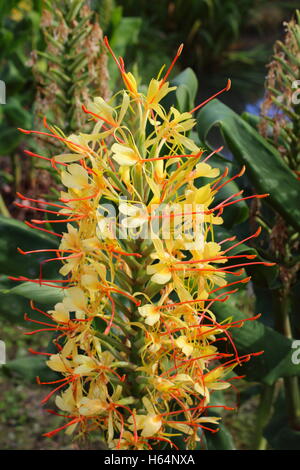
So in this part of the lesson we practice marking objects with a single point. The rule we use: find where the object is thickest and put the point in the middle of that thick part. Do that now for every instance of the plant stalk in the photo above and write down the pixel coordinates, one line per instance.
(263, 416)
(283, 325)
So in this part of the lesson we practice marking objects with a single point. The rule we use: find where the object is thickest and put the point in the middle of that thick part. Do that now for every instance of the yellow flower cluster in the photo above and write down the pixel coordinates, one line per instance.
(136, 336)
(22, 8)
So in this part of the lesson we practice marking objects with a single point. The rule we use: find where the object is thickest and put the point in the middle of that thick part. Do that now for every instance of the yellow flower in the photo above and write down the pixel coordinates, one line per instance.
(125, 155)
(76, 177)
(59, 363)
(151, 423)
(131, 83)
(137, 215)
(186, 347)
(150, 313)
(69, 401)
(161, 272)
(211, 381)
(92, 407)
(205, 170)
(173, 130)
(156, 92)
(75, 300)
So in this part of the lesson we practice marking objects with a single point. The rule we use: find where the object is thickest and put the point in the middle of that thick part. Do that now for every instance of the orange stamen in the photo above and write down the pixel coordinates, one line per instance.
(113, 124)
(42, 229)
(256, 234)
(178, 53)
(212, 97)
(238, 175)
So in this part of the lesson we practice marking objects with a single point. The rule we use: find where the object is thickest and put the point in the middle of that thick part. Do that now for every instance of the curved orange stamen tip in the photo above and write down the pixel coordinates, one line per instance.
(24, 130)
(36, 221)
(179, 51)
(21, 251)
(258, 231)
(45, 123)
(269, 264)
(247, 279)
(12, 278)
(228, 86)
(242, 170)
(259, 353)
(122, 64)
(260, 196)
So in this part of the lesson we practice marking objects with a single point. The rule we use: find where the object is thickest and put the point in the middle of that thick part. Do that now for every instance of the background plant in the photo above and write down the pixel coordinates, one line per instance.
(221, 37)
(272, 166)
(19, 35)
(67, 75)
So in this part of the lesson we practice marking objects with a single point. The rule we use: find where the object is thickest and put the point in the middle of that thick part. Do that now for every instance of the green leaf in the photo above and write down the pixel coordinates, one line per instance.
(252, 119)
(12, 307)
(9, 140)
(126, 33)
(221, 440)
(264, 275)
(183, 98)
(265, 166)
(14, 234)
(29, 368)
(278, 432)
(284, 438)
(18, 114)
(186, 92)
(254, 336)
(41, 294)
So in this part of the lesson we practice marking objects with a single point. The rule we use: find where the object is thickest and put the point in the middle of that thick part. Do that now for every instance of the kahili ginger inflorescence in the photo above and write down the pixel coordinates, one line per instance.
(137, 340)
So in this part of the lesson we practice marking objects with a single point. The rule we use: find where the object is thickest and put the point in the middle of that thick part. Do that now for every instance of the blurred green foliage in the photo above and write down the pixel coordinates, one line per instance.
(270, 169)
(19, 35)
(207, 27)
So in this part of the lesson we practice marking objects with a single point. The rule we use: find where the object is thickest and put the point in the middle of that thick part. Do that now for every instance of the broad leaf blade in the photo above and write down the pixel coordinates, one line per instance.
(15, 234)
(254, 336)
(264, 164)
(41, 294)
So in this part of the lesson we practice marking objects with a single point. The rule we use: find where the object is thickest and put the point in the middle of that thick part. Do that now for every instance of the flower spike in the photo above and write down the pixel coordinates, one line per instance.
(137, 342)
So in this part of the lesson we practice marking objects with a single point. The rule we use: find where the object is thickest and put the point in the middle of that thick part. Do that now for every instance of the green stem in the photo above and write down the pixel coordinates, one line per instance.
(3, 209)
(134, 356)
(17, 171)
(263, 415)
(283, 325)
